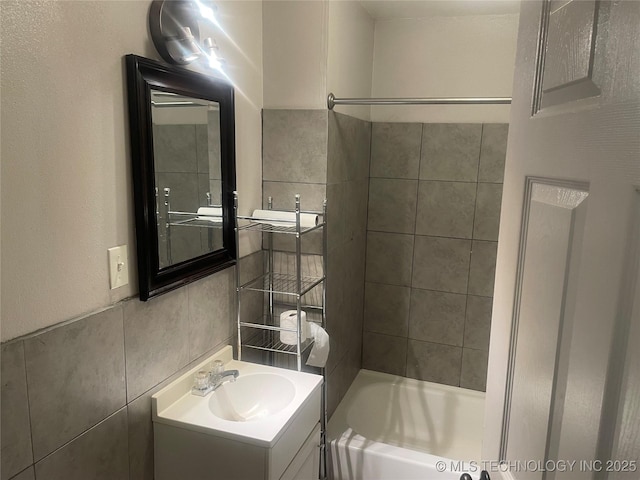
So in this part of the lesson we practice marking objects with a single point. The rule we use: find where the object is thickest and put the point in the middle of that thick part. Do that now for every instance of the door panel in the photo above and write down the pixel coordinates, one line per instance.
(553, 228)
(558, 340)
(568, 50)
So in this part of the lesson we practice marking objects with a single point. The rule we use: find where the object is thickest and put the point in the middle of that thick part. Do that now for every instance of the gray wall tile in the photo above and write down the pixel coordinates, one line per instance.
(311, 243)
(184, 190)
(446, 209)
(348, 150)
(336, 214)
(474, 369)
(434, 362)
(482, 271)
(441, 264)
(356, 208)
(392, 205)
(437, 317)
(334, 387)
(395, 150)
(453, 210)
(156, 340)
(384, 353)
(386, 309)
(202, 149)
(493, 152)
(349, 141)
(174, 148)
(477, 327)
(204, 187)
(211, 309)
(312, 195)
(14, 417)
(99, 454)
(186, 243)
(28, 474)
(251, 266)
(140, 437)
(76, 378)
(389, 258)
(450, 151)
(294, 145)
(215, 188)
(487, 219)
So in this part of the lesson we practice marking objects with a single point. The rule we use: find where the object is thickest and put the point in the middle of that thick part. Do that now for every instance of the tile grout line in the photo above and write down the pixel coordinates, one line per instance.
(92, 427)
(26, 384)
(124, 348)
(413, 252)
(366, 242)
(473, 224)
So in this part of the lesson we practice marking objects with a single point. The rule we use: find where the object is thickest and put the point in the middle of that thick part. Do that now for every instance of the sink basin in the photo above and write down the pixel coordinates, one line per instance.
(256, 409)
(252, 397)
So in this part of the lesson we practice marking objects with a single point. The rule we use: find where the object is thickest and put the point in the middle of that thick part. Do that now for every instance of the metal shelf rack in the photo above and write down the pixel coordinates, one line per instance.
(281, 288)
(284, 289)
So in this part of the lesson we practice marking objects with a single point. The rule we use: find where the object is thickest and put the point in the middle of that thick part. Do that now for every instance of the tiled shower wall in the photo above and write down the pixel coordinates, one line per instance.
(319, 155)
(76, 398)
(347, 193)
(433, 217)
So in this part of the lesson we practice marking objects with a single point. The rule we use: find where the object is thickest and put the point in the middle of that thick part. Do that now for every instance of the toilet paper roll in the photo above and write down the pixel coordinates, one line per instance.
(271, 217)
(289, 320)
(320, 350)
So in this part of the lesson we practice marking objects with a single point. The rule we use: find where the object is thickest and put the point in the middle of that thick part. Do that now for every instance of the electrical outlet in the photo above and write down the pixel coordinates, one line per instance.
(118, 266)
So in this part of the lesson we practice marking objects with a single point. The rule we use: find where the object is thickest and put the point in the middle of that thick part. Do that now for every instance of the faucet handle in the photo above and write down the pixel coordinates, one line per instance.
(201, 385)
(217, 367)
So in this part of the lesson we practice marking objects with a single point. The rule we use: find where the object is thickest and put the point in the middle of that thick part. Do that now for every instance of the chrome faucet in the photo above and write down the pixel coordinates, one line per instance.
(208, 381)
(217, 379)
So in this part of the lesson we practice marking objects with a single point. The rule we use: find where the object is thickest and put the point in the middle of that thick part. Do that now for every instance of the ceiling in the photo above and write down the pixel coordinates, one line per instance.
(388, 9)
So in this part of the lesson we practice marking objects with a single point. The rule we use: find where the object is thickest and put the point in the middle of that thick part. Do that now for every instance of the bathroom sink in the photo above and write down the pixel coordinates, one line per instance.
(252, 397)
(256, 408)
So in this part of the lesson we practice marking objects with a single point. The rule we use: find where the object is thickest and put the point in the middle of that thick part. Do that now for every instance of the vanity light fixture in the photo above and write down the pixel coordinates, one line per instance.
(176, 34)
(211, 52)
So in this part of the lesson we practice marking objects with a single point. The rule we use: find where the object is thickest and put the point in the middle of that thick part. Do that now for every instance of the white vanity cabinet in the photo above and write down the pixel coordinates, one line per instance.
(306, 463)
(192, 443)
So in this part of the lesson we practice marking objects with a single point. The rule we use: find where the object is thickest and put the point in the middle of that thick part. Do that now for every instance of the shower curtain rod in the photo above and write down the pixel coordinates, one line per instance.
(332, 101)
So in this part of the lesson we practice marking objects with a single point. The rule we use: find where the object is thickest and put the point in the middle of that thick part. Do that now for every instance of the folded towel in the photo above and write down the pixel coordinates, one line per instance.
(271, 217)
(320, 350)
(212, 214)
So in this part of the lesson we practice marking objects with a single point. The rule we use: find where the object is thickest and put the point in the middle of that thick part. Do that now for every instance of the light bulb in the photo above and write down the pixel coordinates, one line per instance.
(206, 12)
(215, 62)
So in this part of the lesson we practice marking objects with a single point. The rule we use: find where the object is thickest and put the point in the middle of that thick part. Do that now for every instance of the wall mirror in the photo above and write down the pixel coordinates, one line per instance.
(183, 157)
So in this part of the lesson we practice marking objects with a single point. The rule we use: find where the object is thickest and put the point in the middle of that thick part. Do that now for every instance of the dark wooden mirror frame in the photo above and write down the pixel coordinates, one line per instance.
(143, 75)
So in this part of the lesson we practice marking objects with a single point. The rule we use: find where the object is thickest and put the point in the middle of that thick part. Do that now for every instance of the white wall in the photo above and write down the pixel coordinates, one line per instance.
(311, 48)
(295, 54)
(444, 56)
(66, 181)
(350, 59)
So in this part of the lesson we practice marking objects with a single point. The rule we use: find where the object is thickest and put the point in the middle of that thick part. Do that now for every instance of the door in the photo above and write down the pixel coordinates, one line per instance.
(564, 368)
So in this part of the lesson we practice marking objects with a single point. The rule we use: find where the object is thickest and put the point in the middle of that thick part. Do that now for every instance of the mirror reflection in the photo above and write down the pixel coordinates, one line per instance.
(186, 149)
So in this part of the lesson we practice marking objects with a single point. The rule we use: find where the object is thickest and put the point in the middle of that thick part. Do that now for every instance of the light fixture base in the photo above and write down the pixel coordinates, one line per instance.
(174, 30)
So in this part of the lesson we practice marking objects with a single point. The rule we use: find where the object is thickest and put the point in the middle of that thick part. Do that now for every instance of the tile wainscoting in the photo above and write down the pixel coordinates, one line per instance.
(76, 398)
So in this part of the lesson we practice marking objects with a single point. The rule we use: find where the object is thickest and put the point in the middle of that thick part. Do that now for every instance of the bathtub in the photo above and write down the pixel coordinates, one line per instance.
(395, 428)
